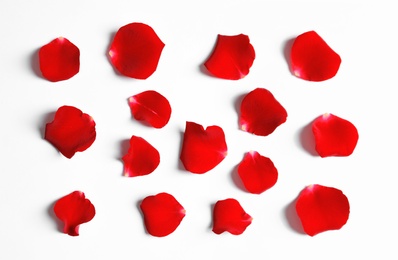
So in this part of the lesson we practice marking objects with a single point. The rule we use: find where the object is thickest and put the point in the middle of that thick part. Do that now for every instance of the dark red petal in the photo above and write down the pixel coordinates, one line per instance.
(150, 107)
(141, 159)
(334, 136)
(312, 59)
(74, 209)
(59, 60)
(257, 172)
(261, 113)
(162, 214)
(135, 50)
(71, 131)
(202, 150)
(322, 208)
(228, 215)
(232, 57)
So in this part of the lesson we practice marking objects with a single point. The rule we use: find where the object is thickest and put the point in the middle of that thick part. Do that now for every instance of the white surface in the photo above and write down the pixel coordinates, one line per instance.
(33, 175)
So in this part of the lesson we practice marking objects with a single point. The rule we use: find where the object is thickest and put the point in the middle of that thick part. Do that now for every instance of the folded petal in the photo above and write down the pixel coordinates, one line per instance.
(202, 149)
(59, 60)
(135, 50)
(232, 57)
(261, 113)
(322, 208)
(71, 131)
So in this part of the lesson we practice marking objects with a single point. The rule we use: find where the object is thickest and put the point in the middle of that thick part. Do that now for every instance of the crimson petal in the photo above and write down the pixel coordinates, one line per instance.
(59, 60)
(74, 209)
(257, 172)
(232, 57)
(228, 215)
(202, 150)
(162, 214)
(141, 159)
(261, 113)
(312, 59)
(322, 208)
(71, 131)
(151, 107)
(334, 136)
(135, 50)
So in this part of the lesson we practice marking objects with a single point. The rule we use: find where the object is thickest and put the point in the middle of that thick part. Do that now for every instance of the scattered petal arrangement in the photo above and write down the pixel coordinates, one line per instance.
(135, 52)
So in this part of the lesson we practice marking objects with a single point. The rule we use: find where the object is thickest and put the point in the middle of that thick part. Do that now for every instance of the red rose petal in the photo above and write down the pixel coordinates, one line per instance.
(261, 113)
(141, 159)
(59, 60)
(151, 107)
(257, 172)
(162, 214)
(312, 59)
(202, 150)
(232, 57)
(71, 131)
(322, 208)
(228, 215)
(135, 50)
(74, 209)
(334, 136)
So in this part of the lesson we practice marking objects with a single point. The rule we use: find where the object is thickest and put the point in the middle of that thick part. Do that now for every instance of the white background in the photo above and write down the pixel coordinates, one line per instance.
(33, 175)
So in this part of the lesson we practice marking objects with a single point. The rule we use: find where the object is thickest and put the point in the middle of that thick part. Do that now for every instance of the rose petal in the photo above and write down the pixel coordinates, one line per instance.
(59, 60)
(74, 209)
(141, 159)
(71, 131)
(202, 150)
(257, 172)
(334, 136)
(228, 215)
(232, 57)
(322, 208)
(162, 214)
(150, 107)
(261, 113)
(312, 59)
(135, 50)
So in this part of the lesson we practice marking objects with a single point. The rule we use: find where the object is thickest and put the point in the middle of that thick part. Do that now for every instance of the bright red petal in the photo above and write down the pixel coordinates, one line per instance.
(261, 113)
(162, 214)
(257, 172)
(312, 59)
(71, 131)
(232, 57)
(59, 60)
(150, 107)
(322, 208)
(334, 136)
(135, 50)
(141, 159)
(202, 150)
(228, 215)
(74, 209)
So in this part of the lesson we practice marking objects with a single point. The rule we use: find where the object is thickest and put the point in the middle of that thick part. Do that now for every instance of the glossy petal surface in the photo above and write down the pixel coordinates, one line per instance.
(141, 159)
(229, 216)
(71, 131)
(257, 172)
(135, 50)
(232, 57)
(322, 208)
(202, 149)
(59, 60)
(74, 209)
(312, 59)
(150, 107)
(261, 113)
(162, 214)
(334, 136)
